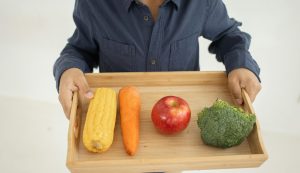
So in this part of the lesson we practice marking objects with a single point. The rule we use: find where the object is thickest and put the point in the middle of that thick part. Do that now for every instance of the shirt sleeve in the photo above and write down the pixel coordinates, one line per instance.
(81, 49)
(230, 45)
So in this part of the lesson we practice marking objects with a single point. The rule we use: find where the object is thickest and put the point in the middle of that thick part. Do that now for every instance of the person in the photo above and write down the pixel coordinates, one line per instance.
(152, 35)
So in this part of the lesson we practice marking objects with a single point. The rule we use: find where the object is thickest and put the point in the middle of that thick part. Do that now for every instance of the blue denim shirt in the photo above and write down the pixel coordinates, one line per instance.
(121, 36)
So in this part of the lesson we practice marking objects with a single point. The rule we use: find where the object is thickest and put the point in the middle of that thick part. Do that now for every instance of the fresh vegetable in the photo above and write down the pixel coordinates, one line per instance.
(100, 120)
(223, 125)
(130, 106)
(171, 115)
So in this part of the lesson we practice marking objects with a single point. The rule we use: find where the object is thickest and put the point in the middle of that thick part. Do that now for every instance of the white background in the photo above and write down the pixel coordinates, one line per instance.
(33, 129)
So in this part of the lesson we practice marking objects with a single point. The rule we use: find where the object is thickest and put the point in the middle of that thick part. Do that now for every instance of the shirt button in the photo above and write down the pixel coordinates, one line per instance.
(146, 18)
(153, 62)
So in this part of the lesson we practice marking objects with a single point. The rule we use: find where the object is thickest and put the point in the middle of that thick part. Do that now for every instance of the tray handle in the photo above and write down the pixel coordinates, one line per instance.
(247, 102)
(256, 134)
(74, 119)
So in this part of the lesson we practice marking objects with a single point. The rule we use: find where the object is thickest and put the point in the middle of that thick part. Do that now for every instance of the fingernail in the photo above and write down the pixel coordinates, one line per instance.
(89, 94)
(239, 101)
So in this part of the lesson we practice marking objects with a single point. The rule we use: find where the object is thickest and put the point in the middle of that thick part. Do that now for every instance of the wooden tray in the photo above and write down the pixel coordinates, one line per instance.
(160, 153)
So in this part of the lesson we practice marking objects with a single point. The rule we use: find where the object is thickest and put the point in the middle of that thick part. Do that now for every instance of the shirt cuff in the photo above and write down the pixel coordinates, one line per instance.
(64, 63)
(241, 59)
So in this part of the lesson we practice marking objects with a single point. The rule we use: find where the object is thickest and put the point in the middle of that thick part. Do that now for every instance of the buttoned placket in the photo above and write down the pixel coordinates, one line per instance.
(152, 58)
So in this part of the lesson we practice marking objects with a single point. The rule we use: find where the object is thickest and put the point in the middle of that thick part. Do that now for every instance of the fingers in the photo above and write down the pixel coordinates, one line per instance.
(243, 78)
(235, 89)
(65, 98)
(72, 80)
(252, 87)
(83, 87)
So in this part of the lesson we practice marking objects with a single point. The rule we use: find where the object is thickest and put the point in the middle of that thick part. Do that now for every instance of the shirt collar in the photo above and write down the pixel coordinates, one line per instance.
(176, 3)
(128, 3)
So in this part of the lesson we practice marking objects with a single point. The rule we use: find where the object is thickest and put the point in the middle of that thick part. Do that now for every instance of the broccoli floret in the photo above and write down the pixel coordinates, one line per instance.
(223, 125)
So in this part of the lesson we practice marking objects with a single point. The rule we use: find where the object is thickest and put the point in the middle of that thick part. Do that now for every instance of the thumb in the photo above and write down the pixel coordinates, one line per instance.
(84, 88)
(235, 89)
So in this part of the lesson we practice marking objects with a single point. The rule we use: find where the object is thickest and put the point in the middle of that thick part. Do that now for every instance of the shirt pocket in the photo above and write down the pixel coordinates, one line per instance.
(116, 56)
(184, 55)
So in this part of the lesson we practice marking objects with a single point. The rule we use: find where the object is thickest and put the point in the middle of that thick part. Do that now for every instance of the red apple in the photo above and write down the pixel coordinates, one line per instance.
(171, 115)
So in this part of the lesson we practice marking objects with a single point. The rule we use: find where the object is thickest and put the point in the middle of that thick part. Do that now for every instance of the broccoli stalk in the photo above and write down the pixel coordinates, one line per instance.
(223, 125)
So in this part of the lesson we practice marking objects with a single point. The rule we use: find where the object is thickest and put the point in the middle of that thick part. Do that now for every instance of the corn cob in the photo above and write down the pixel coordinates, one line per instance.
(100, 121)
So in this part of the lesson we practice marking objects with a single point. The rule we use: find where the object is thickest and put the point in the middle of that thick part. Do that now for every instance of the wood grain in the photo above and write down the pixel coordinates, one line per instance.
(184, 151)
(247, 102)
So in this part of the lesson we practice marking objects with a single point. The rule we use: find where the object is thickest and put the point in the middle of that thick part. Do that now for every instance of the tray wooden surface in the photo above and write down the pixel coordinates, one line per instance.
(161, 153)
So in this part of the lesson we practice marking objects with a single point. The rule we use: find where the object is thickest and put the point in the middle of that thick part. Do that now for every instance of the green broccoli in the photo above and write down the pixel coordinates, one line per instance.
(223, 125)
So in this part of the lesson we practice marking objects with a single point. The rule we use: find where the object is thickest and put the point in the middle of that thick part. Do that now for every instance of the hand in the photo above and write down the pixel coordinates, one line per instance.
(72, 80)
(243, 78)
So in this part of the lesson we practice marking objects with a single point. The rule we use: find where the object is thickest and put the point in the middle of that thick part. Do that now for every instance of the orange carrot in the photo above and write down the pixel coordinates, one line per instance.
(130, 106)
